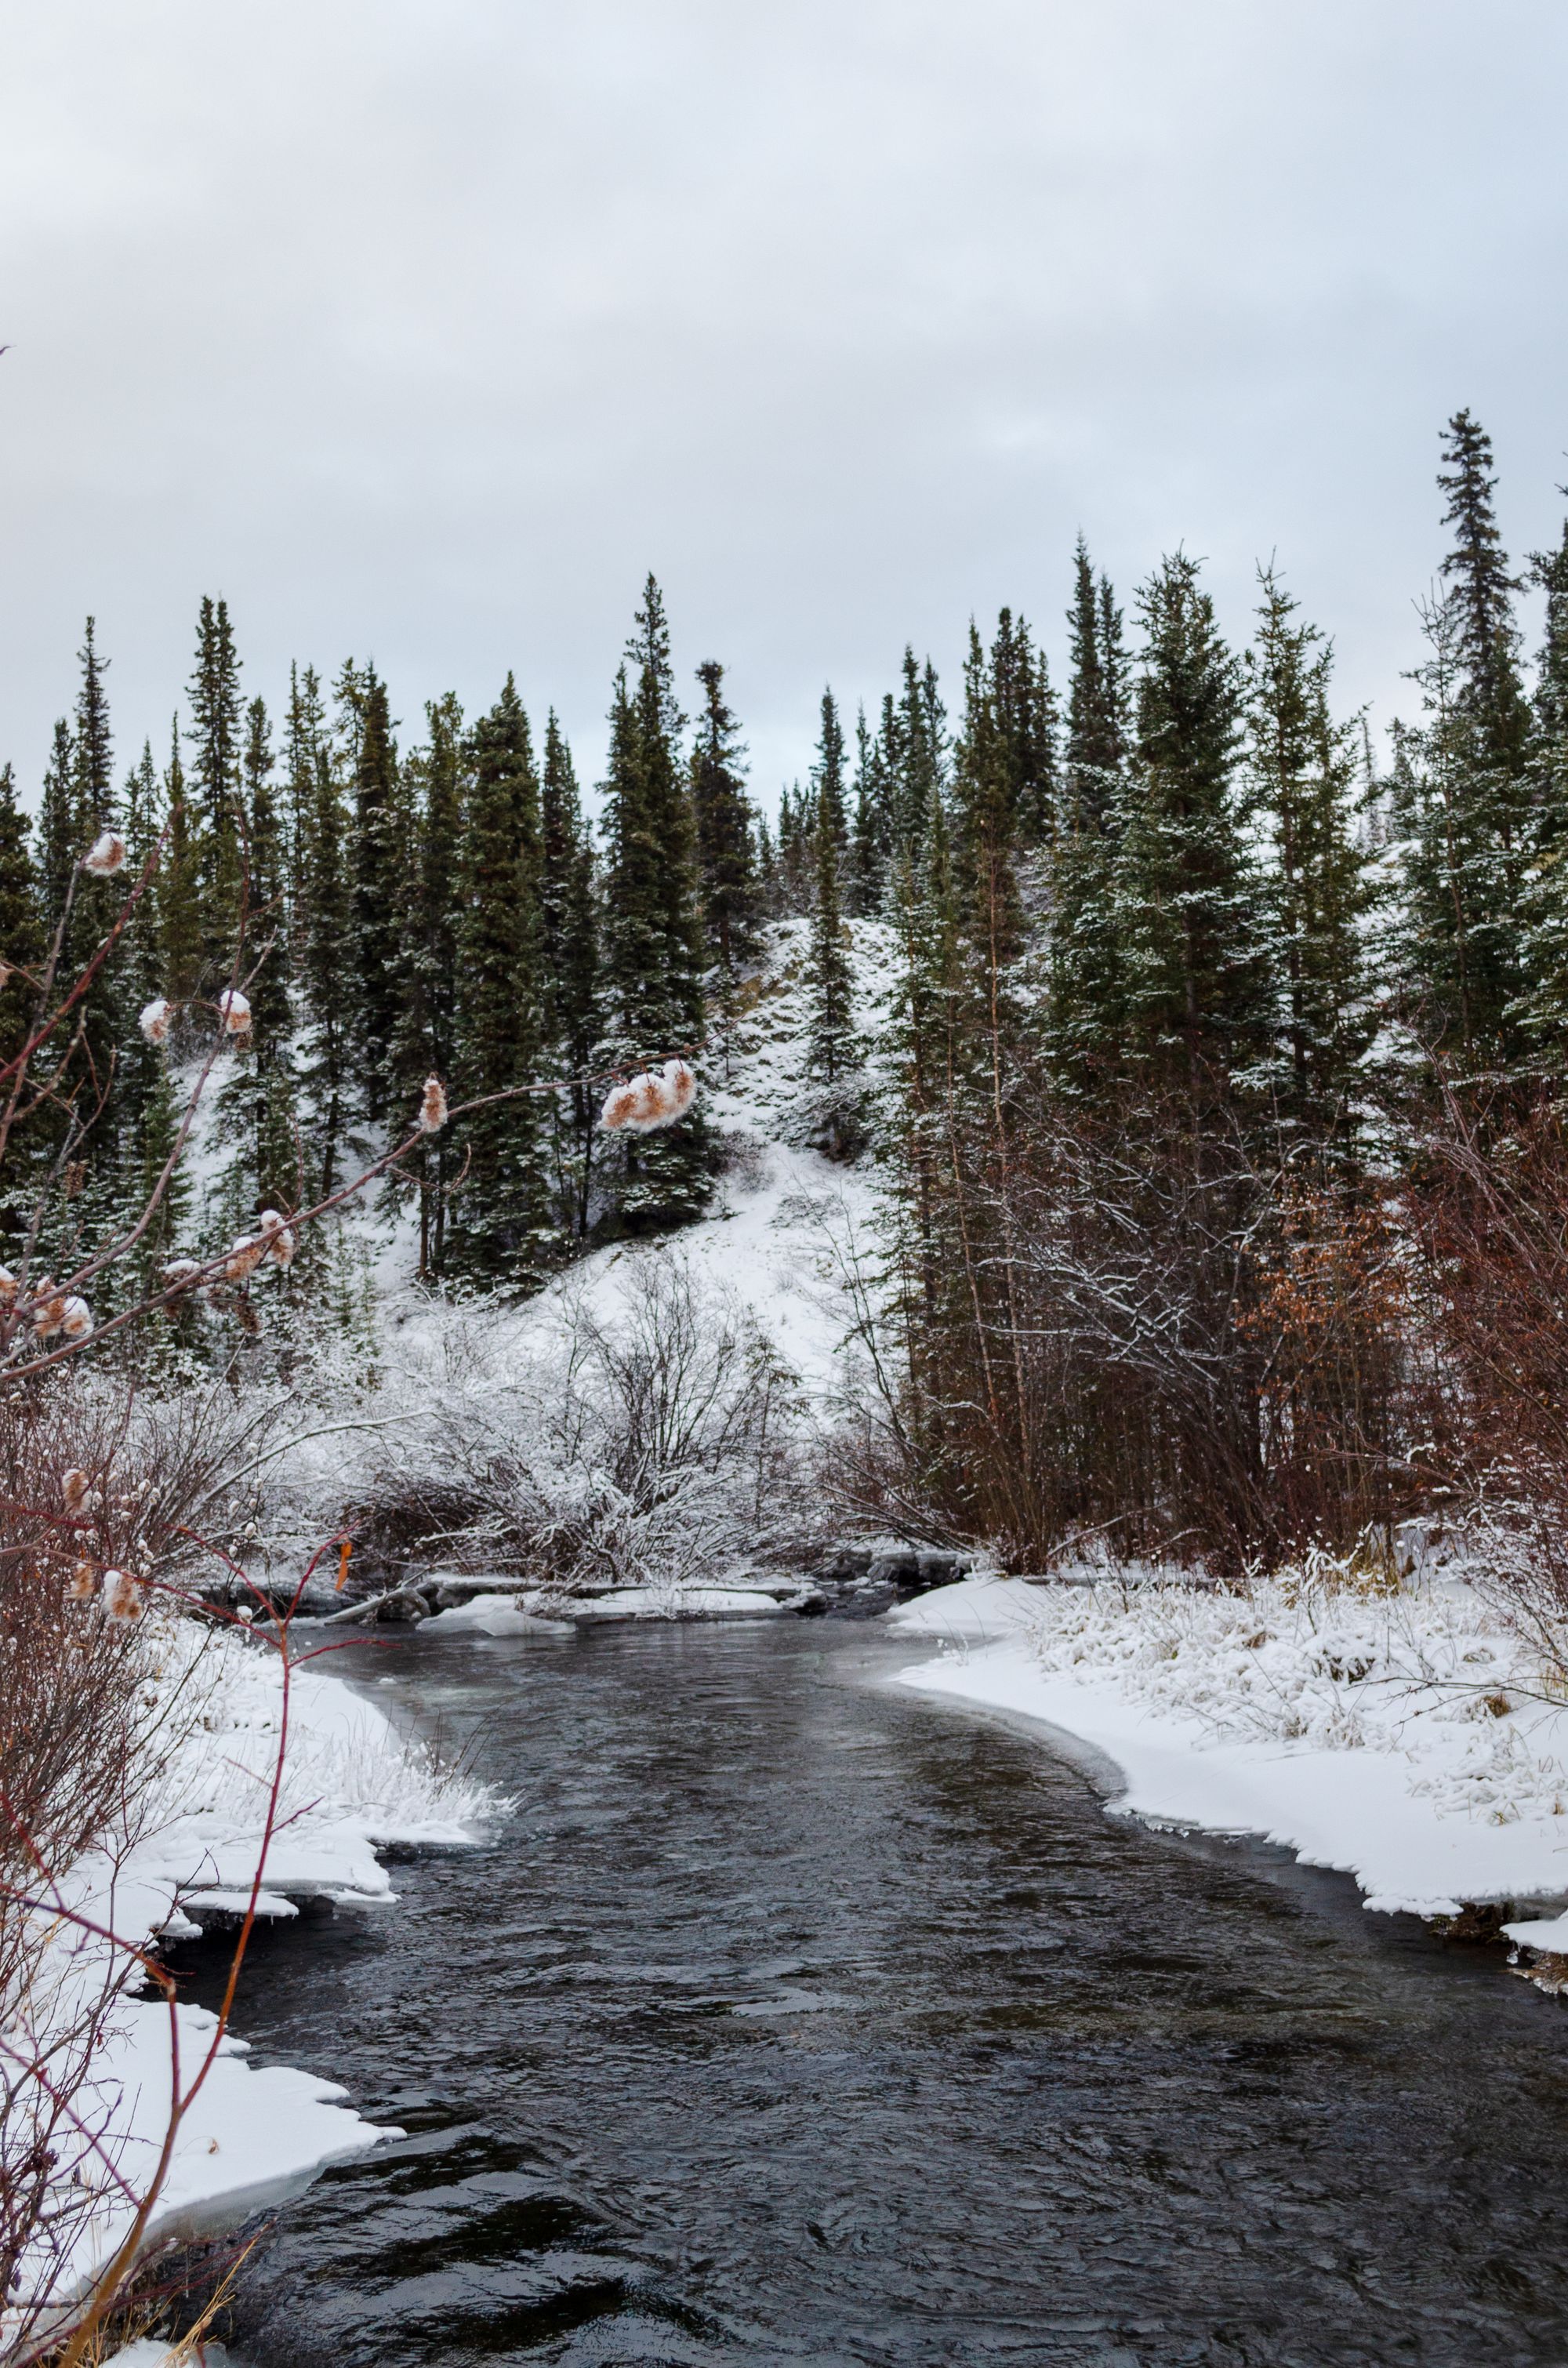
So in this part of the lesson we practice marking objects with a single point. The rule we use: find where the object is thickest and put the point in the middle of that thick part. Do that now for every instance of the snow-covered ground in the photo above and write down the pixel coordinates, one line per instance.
(350, 1783)
(1409, 1739)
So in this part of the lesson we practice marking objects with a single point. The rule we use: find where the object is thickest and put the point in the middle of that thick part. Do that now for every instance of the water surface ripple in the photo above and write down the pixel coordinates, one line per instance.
(795, 2018)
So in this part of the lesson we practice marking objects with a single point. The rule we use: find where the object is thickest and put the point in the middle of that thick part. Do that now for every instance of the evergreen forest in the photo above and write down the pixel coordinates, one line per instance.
(1197, 1008)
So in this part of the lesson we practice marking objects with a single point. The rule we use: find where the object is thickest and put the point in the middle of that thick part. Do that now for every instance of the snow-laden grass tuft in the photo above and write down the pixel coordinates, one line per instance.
(1306, 1659)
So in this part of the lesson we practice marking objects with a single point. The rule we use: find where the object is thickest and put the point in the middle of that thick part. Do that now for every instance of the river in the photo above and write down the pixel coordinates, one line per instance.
(797, 2018)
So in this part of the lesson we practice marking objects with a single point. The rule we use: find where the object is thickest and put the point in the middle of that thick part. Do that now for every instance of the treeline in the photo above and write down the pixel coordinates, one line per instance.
(1185, 993)
(388, 913)
(1195, 1014)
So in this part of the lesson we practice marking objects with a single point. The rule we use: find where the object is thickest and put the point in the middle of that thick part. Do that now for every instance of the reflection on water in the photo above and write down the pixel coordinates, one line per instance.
(793, 2020)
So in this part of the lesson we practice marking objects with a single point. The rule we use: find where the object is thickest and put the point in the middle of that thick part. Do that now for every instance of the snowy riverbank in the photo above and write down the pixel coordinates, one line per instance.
(248, 2138)
(1408, 1739)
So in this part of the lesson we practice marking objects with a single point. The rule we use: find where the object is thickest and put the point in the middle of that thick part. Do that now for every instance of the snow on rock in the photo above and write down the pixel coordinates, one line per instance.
(1403, 1738)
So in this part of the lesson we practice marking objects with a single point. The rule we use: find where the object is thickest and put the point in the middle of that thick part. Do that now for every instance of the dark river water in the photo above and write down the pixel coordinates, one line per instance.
(797, 2018)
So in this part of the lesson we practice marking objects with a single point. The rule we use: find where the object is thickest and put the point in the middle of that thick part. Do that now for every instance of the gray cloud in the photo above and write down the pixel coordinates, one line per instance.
(423, 331)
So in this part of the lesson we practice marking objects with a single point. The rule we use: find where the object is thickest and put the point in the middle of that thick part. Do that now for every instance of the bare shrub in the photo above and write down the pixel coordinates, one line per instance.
(664, 1443)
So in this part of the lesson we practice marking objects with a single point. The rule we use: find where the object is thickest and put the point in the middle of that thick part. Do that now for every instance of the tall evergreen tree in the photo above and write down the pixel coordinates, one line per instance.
(653, 957)
(832, 1048)
(1193, 921)
(60, 842)
(1464, 812)
(381, 873)
(1086, 1011)
(179, 913)
(1544, 1008)
(569, 968)
(259, 1106)
(215, 738)
(1303, 767)
(22, 938)
(498, 1224)
(151, 1112)
(724, 845)
(102, 1013)
(323, 921)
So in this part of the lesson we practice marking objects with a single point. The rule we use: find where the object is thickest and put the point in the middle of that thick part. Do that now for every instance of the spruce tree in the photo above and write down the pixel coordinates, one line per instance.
(258, 1105)
(1465, 810)
(1193, 920)
(102, 1014)
(60, 842)
(498, 1225)
(726, 859)
(831, 1051)
(652, 951)
(324, 922)
(179, 912)
(215, 738)
(433, 800)
(1543, 1009)
(569, 969)
(866, 884)
(1086, 1014)
(22, 938)
(380, 868)
(1303, 767)
(151, 1112)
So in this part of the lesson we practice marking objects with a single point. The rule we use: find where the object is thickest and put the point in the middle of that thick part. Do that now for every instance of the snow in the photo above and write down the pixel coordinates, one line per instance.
(249, 2138)
(1407, 1739)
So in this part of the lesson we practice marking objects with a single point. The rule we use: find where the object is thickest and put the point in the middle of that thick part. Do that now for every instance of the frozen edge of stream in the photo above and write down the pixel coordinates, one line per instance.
(1383, 1811)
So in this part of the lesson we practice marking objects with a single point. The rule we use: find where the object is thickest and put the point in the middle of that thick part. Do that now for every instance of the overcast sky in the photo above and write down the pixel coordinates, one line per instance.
(422, 329)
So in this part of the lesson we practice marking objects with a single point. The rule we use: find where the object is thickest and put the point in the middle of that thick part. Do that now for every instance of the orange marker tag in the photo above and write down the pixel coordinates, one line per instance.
(343, 1551)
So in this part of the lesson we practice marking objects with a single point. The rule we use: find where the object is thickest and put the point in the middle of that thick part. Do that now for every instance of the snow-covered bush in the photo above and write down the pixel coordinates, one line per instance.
(661, 1443)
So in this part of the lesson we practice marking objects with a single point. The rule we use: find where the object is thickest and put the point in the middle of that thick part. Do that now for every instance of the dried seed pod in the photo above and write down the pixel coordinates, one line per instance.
(233, 1009)
(106, 854)
(73, 1486)
(433, 1106)
(7, 1287)
(122, 1596)
(656, 1098)
(680, 1086)
(48, 1316)
(243, 1258)
(155, 1018)
(77, 1319)
(83, 1583)
(181, 1271)
(277, 1240)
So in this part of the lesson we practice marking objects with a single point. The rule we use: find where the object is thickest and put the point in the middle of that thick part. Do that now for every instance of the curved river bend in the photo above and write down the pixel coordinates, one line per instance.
(798, 2019)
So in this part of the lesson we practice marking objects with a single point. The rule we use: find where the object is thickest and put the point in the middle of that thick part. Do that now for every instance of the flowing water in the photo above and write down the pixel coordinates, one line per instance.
(796, 2017)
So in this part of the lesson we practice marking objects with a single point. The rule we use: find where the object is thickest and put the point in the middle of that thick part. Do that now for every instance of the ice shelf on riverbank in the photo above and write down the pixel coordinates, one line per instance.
(250, 2138)
(1406, 1739)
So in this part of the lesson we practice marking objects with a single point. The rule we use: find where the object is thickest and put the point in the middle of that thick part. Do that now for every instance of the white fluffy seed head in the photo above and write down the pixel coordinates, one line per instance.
(233, 1009)
(83, 1583)
(433, 1106)
(48, 1316)
(122, 1596)
(154, 1018)
(245, 1257)
(179, 1272)
(77, 1319)
(277, 1241)
(656, 1098)
(8, 1287)
(106, 854)
(74, 1486)
(680, 1086)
